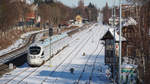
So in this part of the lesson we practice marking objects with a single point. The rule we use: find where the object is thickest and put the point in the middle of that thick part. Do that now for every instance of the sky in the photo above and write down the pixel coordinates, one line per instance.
(98, 3)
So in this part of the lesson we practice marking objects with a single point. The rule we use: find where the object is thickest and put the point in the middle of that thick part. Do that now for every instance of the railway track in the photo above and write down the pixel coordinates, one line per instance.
(73, 57)
(29, 41)
(86, 65)
(11, 57)
(82, 72)
(17, 57)
(17, 75)
(67, 58)
(31, 69)
(91, 74)
(53, 70)
(22, 50)
(35, 69)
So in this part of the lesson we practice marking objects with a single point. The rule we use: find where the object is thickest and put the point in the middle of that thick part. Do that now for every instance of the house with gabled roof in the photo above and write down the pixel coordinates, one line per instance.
(128, 31)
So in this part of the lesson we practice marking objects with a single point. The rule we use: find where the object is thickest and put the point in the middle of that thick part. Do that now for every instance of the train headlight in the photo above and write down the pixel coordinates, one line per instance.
(33, 57)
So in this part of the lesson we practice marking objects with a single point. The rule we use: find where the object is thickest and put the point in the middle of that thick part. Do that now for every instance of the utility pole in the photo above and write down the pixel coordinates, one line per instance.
(114, 60)
(120, 41)
(50, 35)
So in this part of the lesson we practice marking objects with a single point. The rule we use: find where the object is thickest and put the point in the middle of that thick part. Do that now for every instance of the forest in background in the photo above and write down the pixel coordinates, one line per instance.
(51, 12)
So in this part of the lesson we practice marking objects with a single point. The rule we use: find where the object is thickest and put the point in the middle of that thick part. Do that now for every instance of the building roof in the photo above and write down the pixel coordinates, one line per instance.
(31, 15)
(111, 36)
(130, 21)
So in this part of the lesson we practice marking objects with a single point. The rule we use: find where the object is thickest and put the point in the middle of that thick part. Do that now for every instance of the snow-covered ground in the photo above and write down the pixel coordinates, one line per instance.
(19, 43)
(82, 62)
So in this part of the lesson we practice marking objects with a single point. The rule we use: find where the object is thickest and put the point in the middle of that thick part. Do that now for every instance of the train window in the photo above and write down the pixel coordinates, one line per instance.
(35, 50)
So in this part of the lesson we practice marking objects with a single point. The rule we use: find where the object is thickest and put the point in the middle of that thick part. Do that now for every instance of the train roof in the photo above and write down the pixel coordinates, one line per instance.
(40, 44)
(46, 42)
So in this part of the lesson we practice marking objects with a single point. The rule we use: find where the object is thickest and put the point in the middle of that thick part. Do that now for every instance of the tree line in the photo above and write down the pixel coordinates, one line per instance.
(10, 12)
(51, 12)
(13, 11)
(56, 12)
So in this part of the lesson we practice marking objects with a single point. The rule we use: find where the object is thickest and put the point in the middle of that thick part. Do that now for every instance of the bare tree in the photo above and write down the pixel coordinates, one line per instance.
(142, 38)
(106, 14)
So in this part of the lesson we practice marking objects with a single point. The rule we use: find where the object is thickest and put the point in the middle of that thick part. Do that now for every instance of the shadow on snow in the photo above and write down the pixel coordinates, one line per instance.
(98, 75)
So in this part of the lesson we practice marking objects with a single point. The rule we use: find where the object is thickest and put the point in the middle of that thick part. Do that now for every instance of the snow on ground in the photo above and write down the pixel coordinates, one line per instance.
(16, 45)
(87, 69)
(20, 42)
(32, 32)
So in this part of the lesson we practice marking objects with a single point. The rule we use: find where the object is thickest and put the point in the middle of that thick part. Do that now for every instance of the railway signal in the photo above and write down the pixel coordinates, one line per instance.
(50, 31)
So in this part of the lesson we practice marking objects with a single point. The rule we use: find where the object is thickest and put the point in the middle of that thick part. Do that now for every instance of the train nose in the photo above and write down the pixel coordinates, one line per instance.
(34, 60)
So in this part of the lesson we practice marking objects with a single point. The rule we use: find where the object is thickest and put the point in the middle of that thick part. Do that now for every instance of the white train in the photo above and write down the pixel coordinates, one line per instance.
(37, 54)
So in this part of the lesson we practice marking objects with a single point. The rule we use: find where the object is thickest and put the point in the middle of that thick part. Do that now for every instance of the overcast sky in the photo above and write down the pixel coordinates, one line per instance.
(98, 3)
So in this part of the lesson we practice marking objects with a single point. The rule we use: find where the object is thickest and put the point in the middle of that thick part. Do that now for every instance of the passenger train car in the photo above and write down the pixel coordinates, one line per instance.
(37, 54)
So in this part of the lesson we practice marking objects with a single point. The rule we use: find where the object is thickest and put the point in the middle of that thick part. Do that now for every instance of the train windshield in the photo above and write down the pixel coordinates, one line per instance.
(34, 50)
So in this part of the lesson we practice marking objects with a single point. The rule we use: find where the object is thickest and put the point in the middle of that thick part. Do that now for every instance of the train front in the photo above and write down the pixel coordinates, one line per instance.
(35, 55)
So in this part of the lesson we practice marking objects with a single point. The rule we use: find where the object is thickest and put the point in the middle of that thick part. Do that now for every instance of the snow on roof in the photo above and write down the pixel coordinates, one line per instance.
(40, 44)
(46, 42)
(128, 66)
(130, 21)
(111, 30)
